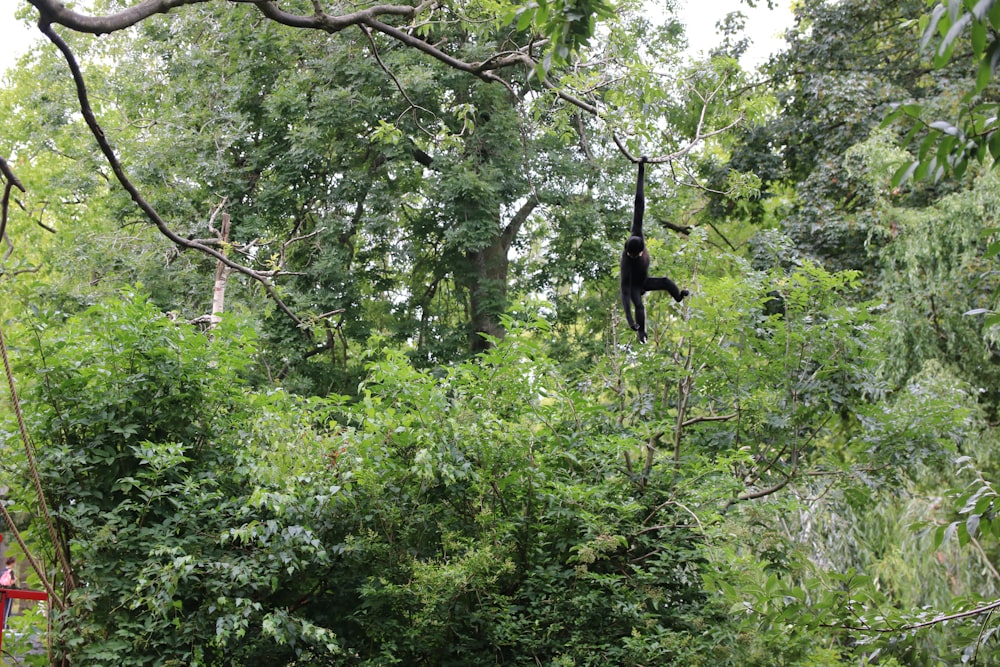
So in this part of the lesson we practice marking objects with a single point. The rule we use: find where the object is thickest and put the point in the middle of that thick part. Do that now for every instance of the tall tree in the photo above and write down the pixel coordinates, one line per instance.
(846, 64)
(337, 192)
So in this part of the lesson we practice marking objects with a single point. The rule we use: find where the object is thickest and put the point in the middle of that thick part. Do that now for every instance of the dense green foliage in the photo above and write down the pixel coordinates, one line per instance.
(488, 513)
(444, 447)
(969, 132)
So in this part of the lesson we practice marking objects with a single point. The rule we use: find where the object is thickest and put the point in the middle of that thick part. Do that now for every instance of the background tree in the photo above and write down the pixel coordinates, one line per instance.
(833, 92)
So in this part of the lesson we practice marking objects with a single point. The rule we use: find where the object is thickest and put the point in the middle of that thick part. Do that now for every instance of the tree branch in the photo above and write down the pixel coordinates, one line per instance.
(760, 493)
(126, 183)
(402, 91)
(53, 11)
(699, 134)
(512, 228)
(714, 418)
(11, 182)
(992, 606)
(8, 174)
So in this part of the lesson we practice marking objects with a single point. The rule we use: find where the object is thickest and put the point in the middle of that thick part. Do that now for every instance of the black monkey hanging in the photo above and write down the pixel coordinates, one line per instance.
(635, 265)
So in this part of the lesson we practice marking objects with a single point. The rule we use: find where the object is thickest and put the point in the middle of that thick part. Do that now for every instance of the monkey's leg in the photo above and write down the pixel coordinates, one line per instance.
(640, 314)
(665, 284)
(627, 305)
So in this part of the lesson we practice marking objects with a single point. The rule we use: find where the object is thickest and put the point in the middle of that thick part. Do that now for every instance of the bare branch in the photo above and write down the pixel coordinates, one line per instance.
(715, 418)
(431, 50)
(5, 238)
(11, 182)
(4, 206)
(680, 229)
(581, 132)
(698, 138)
(621, 147)
(987, 608)
(760, 493)
(787, 476)
(221, 270)
(664, 504)
(282, 254)
(54, 11)
(699, 134)
(211, 221)
(8, 174)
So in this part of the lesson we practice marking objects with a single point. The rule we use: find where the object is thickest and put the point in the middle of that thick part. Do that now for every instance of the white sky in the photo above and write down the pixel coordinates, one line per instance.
(15, 37)
(764, 26)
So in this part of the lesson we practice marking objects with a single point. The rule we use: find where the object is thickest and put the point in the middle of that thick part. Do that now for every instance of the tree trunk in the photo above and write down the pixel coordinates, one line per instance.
(221, 278)
(485, 280)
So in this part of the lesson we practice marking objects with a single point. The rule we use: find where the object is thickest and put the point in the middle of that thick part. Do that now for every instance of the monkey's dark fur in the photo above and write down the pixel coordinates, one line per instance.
(635, 265)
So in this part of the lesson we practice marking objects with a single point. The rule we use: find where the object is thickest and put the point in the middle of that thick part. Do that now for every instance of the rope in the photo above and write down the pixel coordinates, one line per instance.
(56, 542)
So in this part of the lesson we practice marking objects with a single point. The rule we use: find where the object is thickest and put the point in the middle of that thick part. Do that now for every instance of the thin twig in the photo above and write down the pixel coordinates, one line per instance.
(717, 418)
(923, 624)
(378, 58)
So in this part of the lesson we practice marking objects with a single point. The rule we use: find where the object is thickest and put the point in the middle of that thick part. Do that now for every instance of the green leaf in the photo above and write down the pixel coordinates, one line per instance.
(926, 146)
(903, 173)
(949, 532)
(944, 149)
(945, 127)
(924, 167)
(982, 9)
(994, 55)
(932, 27)
(978, 37)
(994, 11)
(984, 503)
(954, 31)
(983, 75)
(939, 536)
(954, 7)
(941, 57)
(987, 66)
(527, 15)
(994, 144)
(963, 533)
(959, 167)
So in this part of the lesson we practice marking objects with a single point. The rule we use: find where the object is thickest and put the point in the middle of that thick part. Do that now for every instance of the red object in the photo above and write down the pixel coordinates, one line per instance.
(16, 594)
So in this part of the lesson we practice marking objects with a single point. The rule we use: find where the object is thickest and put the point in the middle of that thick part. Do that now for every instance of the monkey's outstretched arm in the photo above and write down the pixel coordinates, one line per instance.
(640, 198)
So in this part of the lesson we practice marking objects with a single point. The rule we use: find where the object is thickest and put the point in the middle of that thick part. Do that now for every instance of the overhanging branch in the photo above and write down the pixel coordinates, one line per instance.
(53, 11)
